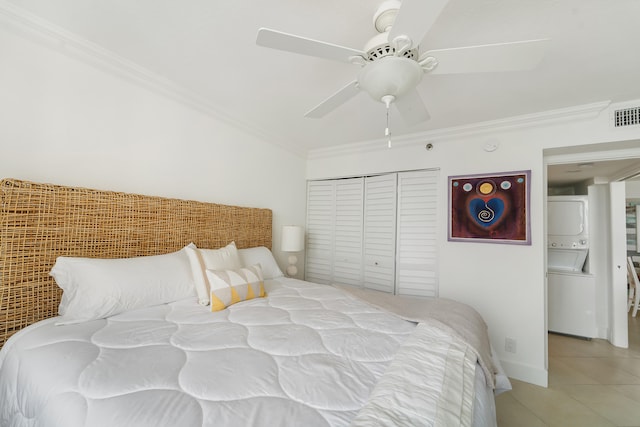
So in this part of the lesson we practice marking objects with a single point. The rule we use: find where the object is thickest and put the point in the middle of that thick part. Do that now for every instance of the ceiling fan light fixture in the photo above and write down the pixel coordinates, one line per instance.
(390, 75)
(392, 65)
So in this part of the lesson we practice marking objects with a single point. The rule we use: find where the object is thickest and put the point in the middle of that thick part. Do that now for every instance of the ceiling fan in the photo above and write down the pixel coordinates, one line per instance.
(392, 63)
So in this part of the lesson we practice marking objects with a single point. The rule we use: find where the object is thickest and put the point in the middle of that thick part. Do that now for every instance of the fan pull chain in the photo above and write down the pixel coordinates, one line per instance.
(387, 133)
(388, 99)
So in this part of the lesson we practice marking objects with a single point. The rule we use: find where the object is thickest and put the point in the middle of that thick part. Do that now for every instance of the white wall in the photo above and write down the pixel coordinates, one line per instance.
(63, 121)
(632, 189)
(505, 283)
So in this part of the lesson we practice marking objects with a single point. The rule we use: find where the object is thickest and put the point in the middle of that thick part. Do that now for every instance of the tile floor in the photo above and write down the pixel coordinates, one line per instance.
(591, 383)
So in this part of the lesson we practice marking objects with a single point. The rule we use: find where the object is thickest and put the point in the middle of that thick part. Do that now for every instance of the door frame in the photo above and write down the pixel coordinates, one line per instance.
(619, 326)
(579, 154)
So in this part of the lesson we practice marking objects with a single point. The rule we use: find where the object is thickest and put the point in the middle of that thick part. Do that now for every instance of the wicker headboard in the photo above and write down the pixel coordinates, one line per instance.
(39, 222)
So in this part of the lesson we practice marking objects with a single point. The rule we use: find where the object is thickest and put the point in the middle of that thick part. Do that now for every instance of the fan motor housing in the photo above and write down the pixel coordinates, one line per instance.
(379, 47)
(388, 50)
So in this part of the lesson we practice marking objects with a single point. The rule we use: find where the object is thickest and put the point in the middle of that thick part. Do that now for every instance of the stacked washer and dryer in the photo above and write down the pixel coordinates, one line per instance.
(571, 288)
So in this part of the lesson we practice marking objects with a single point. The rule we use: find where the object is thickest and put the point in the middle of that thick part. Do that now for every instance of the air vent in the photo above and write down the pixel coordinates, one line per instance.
(626, 117)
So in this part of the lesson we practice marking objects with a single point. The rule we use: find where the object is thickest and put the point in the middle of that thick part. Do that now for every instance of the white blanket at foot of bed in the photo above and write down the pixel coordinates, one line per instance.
(404, 396)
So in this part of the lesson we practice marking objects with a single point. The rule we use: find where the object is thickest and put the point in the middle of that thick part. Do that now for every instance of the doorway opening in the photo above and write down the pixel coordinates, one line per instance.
(601, 172)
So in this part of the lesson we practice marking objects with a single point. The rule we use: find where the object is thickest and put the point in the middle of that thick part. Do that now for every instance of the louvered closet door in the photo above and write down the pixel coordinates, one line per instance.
(416, 263)
(347, 260)
(380, 232)
(320, 216)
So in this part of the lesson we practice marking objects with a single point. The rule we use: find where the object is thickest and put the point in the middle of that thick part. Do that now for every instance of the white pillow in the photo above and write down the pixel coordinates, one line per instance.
(263, 256)
(226, 258)
(95, 288)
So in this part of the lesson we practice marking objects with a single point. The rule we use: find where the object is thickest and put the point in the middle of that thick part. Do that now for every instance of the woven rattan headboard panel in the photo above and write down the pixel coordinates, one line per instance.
(39, 222)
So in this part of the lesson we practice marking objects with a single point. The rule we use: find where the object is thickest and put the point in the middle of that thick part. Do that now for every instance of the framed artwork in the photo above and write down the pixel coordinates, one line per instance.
(490, 208)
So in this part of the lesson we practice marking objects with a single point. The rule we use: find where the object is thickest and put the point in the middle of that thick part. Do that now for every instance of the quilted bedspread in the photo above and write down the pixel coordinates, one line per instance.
(307, 355)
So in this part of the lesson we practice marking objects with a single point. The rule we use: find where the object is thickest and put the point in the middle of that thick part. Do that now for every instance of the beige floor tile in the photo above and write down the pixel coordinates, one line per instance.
(563, 346)
(630, 391)
(605, 370)
(630, 365)
(608, 402)
(514, 414)
(582, 421)
(591, 383)
(562, 371)
(555, 407)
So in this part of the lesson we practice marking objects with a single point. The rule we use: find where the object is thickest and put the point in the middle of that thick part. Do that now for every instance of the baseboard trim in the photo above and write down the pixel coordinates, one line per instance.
(526, 373)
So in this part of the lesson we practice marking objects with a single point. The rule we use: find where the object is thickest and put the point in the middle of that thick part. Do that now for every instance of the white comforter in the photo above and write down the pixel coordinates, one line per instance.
(307, 355)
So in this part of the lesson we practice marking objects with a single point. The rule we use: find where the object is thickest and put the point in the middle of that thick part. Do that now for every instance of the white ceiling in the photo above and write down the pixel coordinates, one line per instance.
(208, 49)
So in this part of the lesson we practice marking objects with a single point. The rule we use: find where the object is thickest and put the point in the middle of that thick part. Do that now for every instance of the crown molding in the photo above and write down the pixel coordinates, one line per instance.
(581, 112)
(43, 32)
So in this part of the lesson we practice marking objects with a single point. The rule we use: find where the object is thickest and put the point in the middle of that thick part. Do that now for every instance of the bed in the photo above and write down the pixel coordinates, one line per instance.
(130, 310)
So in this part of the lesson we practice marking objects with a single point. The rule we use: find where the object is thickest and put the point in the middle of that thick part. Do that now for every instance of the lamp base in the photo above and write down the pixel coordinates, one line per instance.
(292, 270)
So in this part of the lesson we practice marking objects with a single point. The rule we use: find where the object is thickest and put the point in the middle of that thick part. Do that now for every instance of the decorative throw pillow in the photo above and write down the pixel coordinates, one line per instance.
(263, 256)
(232, 286)
(226, 258)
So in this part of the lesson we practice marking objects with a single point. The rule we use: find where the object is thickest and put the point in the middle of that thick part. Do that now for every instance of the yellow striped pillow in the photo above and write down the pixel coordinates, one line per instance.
(232, 286)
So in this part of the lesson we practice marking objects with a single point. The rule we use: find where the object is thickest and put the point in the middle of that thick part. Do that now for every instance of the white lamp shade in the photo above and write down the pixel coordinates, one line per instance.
(292, 238)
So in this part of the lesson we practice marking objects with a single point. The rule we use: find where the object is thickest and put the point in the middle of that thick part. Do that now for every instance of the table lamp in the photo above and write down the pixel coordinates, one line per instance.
(292, 241)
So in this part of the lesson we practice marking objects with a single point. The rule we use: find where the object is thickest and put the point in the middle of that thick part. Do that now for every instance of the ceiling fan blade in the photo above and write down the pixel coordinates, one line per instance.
(411, 108)
(415, 19)
(514, 56)
(302, 45)
(334, 101)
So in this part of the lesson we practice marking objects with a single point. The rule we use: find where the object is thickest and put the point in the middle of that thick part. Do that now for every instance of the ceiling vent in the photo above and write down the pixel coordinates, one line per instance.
(626, 117)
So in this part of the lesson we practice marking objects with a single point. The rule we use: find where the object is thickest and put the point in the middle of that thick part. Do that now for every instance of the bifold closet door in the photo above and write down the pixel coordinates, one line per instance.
(380, 232)
(347, 259)
(320, 224)
(334, 231)
(416, 261)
